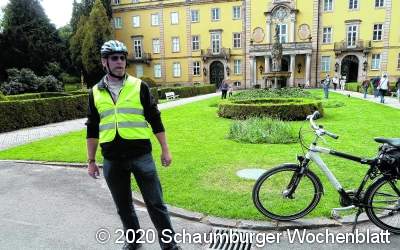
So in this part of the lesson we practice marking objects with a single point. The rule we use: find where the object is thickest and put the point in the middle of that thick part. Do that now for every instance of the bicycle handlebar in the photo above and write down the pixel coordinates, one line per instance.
(319, 129)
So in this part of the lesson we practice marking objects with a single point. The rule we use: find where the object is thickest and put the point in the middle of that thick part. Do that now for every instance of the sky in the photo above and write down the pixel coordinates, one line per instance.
(58, 11)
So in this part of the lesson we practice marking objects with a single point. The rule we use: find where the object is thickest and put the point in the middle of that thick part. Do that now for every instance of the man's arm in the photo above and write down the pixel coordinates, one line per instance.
(166, 157)
(92, 135)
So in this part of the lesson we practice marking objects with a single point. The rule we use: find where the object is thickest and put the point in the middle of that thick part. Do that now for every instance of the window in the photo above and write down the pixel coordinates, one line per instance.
(282, 31)
(237, 67)
(139, 70)
(398, 61)
(237, 84)
(157, 70)
(156, 45)
(177, 69)
(194, 15)
(135, 1)
(216, 43)
(328, 5)
(377, 35)
(353, 4)
(327, 35)
(236, 40)
(118, 22)
(136, 21)
(195, 43)
(236, 12)
(155, 19)
(326, 63)
(196, 68)
(137, 48)
(215, 15)
(175, 44)
(352, 31)
(379, 3)
(116, 1)
(376, 61)
(174, 18)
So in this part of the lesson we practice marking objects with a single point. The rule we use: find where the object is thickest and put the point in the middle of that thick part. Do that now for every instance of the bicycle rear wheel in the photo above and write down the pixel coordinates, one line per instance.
(269, 193)
(383, 201)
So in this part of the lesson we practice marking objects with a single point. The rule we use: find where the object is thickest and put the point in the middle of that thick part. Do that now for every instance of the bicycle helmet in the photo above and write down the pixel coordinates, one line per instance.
(111, 47)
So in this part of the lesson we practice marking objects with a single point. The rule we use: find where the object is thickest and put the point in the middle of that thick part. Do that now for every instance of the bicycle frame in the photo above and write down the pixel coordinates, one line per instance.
(313, 155)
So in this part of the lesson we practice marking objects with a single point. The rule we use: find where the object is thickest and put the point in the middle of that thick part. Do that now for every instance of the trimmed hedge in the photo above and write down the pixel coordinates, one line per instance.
(35, 112)
(288, 109)
(35, 96)
(188, 91)
(356, 87)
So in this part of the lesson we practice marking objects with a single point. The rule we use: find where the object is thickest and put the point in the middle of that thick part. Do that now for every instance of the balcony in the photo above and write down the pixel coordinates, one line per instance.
(224, 53)
(297, 46)
(360, 45)
(146, 58)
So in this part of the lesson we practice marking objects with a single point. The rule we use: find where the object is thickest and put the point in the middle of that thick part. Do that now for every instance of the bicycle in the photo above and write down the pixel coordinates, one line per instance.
(295, 187)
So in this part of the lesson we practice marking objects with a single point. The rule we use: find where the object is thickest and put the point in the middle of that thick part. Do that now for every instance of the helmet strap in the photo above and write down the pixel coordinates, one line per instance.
(108, 71)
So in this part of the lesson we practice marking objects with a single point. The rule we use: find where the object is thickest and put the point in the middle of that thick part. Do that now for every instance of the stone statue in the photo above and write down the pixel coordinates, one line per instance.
(276, 52)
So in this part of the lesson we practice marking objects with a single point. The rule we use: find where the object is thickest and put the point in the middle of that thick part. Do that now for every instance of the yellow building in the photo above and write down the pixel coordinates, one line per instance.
(188, 41)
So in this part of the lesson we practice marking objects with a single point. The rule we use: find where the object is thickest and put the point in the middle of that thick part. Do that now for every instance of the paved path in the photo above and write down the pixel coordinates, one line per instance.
(23, 136)
(50, 207)
(389, 101)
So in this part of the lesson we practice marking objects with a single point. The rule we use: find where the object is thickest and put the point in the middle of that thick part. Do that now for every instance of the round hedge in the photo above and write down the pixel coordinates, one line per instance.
(288, 109)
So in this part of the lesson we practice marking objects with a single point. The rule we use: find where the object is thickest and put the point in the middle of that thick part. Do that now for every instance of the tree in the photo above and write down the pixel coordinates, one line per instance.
(76, 41)
(84, 8)
(31, 40)
(97, 32)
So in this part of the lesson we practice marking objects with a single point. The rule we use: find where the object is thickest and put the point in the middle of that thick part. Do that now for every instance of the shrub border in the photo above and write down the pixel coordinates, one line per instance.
(288, 109)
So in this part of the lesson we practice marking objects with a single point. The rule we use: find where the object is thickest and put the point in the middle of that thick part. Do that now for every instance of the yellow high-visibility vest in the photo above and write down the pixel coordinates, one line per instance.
(125, 116)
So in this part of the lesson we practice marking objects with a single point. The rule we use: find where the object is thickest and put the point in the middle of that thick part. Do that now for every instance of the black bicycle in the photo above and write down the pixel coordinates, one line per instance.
(291, 191)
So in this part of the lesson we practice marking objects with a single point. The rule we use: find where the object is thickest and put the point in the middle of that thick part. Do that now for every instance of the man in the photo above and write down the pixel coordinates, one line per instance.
(325, 84)
(224, 88)
(383, 87)
(120, 109)
(365, 85)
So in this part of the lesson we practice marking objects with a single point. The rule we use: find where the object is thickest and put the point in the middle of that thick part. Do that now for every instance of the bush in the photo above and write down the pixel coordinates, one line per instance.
(2, 97)
(35, 112)
(352, 86)
(188, 91)
(271, 93)
(25, 80)
(23, 97)
(279, 108)
(262, 130)
(150, 82)
(69, 79)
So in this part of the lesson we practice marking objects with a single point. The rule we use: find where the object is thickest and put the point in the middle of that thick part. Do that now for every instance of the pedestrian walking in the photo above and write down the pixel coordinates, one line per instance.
(342, 82)
(325, 85)
(224, 88)
(335, 81)
(365, 85)
(398, 89)
(383, 87)
(120, 110)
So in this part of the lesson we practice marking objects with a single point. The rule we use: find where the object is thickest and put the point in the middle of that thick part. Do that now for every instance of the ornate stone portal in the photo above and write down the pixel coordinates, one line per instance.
(276, 78)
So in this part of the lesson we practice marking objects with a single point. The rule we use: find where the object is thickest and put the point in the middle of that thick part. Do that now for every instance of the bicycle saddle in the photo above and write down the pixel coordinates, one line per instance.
(395, 142)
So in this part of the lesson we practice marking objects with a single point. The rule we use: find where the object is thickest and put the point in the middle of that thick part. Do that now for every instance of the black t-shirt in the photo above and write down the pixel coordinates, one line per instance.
(121, 148)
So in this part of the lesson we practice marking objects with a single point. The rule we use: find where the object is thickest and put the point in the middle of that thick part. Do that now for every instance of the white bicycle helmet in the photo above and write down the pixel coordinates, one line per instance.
(111, 47)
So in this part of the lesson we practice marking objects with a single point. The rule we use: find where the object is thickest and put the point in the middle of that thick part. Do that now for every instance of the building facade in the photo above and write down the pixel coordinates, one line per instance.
(187, 41)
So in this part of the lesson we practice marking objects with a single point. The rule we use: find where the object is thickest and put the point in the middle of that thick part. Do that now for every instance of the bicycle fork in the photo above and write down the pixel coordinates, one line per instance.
(295, 180)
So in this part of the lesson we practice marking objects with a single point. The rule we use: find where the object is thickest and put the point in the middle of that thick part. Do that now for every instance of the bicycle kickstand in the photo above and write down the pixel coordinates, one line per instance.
(360, 210)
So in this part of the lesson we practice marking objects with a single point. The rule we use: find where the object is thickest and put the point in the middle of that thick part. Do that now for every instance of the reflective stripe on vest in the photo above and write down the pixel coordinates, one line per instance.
(125, 116)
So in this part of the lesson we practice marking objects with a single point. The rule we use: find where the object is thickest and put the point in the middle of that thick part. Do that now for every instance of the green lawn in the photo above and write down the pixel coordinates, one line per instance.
(203, 174)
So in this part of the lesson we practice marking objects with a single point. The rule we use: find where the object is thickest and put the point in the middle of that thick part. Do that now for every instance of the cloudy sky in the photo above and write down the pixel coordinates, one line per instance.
(58, 11)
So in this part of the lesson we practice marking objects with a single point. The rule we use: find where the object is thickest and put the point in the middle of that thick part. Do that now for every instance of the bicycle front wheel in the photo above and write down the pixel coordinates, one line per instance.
(270, 193)
(383, 204)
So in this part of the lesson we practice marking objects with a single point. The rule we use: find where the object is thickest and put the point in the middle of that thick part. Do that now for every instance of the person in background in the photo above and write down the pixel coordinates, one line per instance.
(383, 87)
(398, 89)
(335, 81)
(224, 88)
(230, 90)
(342, 82)
(375, 84)
(365, 85)
(325, 85)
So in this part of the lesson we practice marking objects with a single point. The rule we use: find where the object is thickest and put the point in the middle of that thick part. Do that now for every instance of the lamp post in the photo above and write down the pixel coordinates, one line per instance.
(299, 68)
(261, 68)
(365, 65)
(336, 67)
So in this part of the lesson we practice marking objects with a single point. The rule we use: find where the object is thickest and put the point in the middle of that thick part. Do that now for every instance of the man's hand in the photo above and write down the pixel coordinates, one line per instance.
(93, 170)
(166, 158)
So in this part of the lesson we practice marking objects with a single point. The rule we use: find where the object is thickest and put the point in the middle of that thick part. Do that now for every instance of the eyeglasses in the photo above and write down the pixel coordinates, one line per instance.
(115, 58)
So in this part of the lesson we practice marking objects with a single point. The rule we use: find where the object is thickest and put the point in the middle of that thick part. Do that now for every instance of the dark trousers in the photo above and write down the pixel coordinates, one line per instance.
(223, 95)
(118, 178)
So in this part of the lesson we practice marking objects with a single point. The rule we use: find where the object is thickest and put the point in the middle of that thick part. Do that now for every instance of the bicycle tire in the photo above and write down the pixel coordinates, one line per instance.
(275, 196)
(375, 196)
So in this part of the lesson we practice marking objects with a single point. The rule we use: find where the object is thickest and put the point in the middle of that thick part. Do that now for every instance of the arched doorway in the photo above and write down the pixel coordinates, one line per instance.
(350, 68)
(216, 73)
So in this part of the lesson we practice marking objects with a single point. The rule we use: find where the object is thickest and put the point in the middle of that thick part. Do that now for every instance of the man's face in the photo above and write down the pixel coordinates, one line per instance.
(116, 63)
